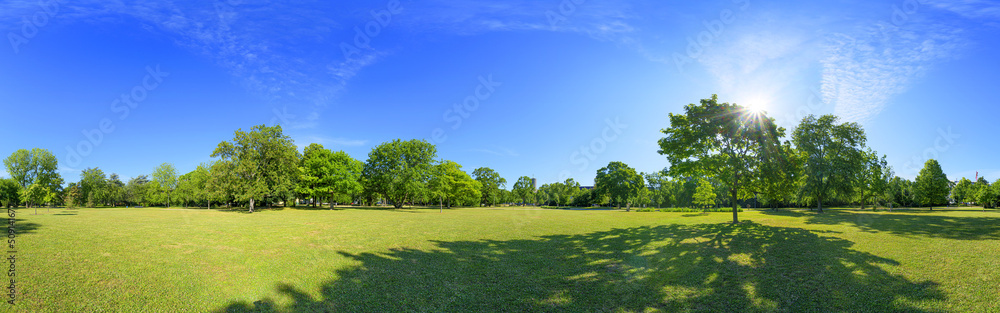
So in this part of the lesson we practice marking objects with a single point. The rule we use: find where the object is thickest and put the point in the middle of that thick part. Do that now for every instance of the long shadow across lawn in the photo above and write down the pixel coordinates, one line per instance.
(907, 223)
(709, 267)
(21, 226)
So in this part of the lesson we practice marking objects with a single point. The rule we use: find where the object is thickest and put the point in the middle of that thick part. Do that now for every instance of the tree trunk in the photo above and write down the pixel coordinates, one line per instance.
(819, 205)
(736, 219)
(251, 205)
(862, 201)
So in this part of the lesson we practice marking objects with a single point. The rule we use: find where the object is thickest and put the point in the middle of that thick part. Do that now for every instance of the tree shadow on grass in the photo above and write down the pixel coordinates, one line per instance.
(709, 267)
(906, 223)
(246, 210)
(695, 214)
(21, 226)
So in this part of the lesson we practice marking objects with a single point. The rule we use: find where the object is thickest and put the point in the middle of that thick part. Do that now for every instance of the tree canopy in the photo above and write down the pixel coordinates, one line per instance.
(619, 182)
(324, 173)
(399, 170)
(490, 184)
(452, 185)
(720, 140)
(34, 167)
(932, 186)
(264, 163)
(10, 192)
(522, 189)
(962, 192)
(832, 154)
(874, 177)
(166, 175)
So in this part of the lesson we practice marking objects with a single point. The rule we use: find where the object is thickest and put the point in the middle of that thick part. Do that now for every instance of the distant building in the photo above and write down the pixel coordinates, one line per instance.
(533, 182)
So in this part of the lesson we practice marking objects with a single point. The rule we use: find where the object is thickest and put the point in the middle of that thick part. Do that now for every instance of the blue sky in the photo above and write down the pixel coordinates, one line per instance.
(549, 89)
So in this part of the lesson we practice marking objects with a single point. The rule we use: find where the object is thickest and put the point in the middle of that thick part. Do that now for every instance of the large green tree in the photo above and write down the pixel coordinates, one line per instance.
(264, 163)
(778, 175)
(327, 174)
(560, 193)
(34, 167)
(506, 196)
(932, 186)
(399, 170)
(983, 193)
(962, 192)
(570, 190)
(346, 172)
(661, 189)
(35, 193)
(115, 190)
(720, 140)
(135, 190)
(832, 157)
(93, 185)
(219, 185)
(193, 186)
(619, 182)
(874, 178)
(490, 184)
(900, 192)
(994, 194)
(451, 185)
(10, 192)
(522, 189)
(166, 175)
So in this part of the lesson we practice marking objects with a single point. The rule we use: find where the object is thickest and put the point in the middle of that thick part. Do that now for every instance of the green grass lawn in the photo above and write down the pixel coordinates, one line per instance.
(510, 259)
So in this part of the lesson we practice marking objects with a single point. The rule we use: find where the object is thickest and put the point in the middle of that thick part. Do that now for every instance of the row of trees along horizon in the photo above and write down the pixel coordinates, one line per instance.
(720, 155)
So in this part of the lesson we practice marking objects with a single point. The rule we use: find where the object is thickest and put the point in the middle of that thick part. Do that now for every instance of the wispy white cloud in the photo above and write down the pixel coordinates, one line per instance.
(291, 54)
(864, 69)
(601, 20)
(862, 72)
(283, 53)
(972, 9)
